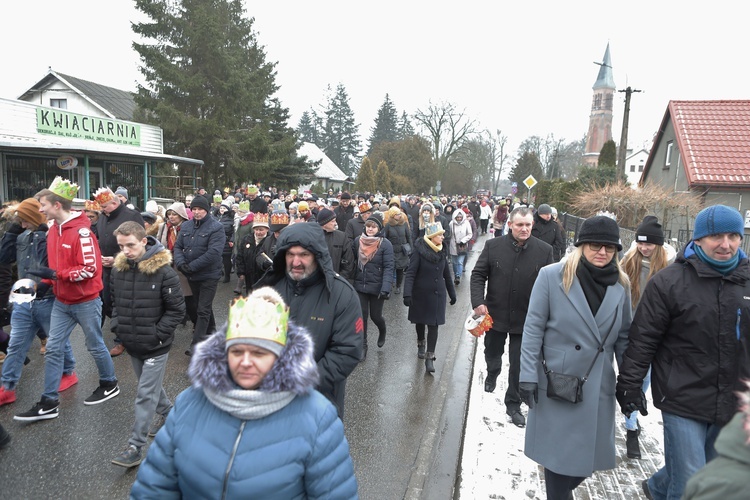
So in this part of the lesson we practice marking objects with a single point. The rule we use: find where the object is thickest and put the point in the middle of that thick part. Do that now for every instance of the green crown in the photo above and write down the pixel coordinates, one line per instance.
(256, 318)
(244, 206)
(64, 188)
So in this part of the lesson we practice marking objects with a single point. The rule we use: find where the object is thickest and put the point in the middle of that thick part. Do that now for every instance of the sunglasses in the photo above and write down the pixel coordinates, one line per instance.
(596, 247)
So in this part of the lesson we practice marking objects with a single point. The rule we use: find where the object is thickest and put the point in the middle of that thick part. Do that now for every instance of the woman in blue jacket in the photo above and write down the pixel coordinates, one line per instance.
(251, 425)
(373, 274)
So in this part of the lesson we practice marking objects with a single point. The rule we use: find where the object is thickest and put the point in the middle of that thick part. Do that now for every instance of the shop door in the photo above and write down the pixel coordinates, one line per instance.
(96, 179)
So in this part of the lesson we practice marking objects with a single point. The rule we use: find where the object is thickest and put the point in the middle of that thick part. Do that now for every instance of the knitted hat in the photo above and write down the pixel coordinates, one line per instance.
(28, 211)
(148, 217)
(346, 196)
(325, 216)
(179, 208)
(121, 191)
(433, 229)
(152, 206)
(544, 209)
(650, 231)
(718, 219)
(260, 319)
(302, 206)
(427, 206)
(377, 218)
(260, 220)
(200, 202)
(599, 229)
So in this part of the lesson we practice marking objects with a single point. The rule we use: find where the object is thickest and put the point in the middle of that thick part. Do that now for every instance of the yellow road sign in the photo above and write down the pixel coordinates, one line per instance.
(529, 181)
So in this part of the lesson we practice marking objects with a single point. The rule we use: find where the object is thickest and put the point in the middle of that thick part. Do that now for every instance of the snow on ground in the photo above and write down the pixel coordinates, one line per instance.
(494, 466)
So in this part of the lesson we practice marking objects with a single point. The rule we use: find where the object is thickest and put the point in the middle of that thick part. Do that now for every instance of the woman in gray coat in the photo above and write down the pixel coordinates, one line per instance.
(575, 306)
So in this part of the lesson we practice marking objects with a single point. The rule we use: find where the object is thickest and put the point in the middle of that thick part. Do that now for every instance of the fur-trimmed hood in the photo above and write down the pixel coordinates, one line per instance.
(295, 371)
(155, 258)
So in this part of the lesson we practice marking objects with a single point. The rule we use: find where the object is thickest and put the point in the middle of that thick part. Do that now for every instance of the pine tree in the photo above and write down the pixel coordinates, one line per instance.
(309, 128)
(341, 133)
(383, 178)
(386, 125)
(527, 164)
(405, 128)
(209, 87)
(608, 154)
(365, 178)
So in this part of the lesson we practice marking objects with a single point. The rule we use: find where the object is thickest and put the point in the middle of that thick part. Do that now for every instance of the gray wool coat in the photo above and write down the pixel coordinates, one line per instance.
(573, 439)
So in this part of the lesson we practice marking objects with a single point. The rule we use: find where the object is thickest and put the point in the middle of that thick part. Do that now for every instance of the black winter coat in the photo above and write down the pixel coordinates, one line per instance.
(427, 281)
(550, 232)
(147, 301)
(343, 216)
(398, 234)
(247, 260)
(106, 225)
(377, 275)
(342, 254)
(227, 222)
(509, 271)
(692, 326)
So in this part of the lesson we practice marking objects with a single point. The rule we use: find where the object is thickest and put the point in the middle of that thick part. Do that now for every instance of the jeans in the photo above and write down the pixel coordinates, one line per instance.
(150, 397)
(26, 321)
(688, 446)
(63, 319)
(494, 347)
(631, 422)
(204, 293)
(458, 264)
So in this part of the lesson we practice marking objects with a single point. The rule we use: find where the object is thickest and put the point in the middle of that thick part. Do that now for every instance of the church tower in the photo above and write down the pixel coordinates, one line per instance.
(600, 121)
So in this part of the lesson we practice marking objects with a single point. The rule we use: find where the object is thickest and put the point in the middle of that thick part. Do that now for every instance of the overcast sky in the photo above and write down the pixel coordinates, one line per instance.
(524, 68)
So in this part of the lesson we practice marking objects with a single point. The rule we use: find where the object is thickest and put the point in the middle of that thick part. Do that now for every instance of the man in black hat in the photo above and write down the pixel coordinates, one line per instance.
(345, 211)
(549, 231)
(342, 254)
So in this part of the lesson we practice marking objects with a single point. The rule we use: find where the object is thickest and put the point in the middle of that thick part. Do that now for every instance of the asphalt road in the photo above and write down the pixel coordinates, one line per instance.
(404, 426)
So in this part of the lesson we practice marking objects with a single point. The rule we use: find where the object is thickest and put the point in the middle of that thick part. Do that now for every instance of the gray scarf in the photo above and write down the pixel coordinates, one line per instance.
(248, 404)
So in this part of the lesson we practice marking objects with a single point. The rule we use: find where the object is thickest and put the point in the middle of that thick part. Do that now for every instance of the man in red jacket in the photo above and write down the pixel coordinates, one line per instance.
(76, 275)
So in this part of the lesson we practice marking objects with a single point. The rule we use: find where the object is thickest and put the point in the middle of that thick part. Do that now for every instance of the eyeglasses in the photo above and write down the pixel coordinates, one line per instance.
(596, 247)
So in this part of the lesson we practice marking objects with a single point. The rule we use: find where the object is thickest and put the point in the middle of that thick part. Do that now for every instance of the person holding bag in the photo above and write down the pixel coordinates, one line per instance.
(578, 320)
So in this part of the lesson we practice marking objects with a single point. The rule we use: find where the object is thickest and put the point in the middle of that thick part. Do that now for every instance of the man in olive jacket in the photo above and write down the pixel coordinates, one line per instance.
(508, 266)
(322, 301)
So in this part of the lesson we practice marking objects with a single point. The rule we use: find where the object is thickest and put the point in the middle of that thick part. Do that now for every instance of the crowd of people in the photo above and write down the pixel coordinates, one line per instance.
(586, 326)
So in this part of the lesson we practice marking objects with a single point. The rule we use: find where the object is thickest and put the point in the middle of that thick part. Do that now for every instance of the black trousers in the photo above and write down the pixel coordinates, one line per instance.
(559, 486)
(494, 347)
(372, 306)
(432, 335)
(483, 225)
(203, 294)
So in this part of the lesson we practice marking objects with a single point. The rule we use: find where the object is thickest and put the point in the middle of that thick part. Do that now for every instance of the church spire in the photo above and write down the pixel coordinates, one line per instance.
(600, 120)
(605, 80)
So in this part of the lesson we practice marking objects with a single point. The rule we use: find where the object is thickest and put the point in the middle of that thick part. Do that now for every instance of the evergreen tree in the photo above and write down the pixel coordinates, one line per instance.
(405, 128)
(608, 154)
(308, 129)
(365, 178)
(210, 88)
(383, 178)
(386, 125)
(527, 164)
(341, 133)
(410, 161)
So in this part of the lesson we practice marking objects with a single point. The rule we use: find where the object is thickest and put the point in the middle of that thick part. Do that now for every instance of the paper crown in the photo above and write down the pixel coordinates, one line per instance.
(260, 220)
(64, 188)
(365, 207)
(91, 206)
(244, 206)
(256, 317)
(217, 198)
(252, 189)
(433, 229)
(103, 195)
(280, 218)
(277, 204)
(302, 206)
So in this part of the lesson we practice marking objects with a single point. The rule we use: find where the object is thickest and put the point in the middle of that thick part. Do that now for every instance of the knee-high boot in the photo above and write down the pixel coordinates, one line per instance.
(429, 366)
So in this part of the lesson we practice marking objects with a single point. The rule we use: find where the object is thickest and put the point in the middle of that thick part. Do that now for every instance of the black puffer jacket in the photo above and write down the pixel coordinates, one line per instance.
(376, 276)
(509, 272)
(692, 327)
(550, 232)
(147, 301)
(428, 280)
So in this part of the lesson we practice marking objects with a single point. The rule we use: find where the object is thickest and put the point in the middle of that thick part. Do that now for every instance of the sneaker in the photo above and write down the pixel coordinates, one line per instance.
(45, 409)
(129, 457)
(156, 424)
(646, 491)
(6, 396)
(43, 350)
(102, 394)
(67, 381)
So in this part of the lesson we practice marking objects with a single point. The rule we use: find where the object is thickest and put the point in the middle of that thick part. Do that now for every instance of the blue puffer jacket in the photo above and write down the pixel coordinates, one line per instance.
(298, 451)
(200, 245)
(377, 275)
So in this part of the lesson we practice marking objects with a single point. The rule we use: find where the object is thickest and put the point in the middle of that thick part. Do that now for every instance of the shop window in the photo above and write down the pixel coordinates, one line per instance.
(28, 175)
(130, 177)
(58, 103)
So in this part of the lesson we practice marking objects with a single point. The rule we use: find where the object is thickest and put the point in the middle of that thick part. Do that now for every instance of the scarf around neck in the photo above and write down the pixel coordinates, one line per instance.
(724, 267)
(437, 248)
(595, 280)
(368, 245)
(249, 404)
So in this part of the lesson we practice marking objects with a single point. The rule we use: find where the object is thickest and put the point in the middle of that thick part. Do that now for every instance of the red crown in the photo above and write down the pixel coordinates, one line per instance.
(280, 218)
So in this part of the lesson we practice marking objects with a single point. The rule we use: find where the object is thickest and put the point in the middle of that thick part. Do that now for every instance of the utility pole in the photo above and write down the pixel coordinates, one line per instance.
(624, 137)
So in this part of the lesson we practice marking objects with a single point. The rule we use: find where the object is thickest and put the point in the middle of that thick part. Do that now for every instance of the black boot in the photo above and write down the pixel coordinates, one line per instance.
(632, 446)
(421, 347)
(490, 382)
(381, 339)
(364, 347)
(429, 366)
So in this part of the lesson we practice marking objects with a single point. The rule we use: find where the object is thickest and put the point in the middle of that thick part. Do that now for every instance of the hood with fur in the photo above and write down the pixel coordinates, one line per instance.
(155, 258)
(295, 371)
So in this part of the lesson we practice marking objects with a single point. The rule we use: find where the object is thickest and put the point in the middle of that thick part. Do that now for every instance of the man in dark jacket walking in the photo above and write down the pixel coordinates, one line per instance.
(340, 248)
(508, 266)
(549, 231)
(147, 307)
(197, 255)
(345, 211)
(692, 327)
(322, 301)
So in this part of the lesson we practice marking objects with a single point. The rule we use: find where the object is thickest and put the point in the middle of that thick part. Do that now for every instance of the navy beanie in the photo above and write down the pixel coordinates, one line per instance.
(718, 219)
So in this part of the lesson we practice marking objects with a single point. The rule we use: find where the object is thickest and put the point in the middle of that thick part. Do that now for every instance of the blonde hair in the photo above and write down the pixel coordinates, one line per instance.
(571, 266)
(632, 264)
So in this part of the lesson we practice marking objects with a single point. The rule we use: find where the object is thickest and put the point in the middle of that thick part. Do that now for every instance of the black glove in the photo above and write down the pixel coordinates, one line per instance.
(14, 228)
(44, 272)
(407, 301)
(266, 265)
(42, 289)
(384, 295)
(631, 400)
(529, 393)
(453, 301)
(184, 269)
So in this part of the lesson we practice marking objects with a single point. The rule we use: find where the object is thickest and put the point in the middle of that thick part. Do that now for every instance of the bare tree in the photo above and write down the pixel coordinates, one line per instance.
(447, 129)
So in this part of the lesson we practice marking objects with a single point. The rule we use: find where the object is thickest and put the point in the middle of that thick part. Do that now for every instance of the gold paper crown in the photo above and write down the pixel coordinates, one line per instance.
(256, 317)
(244, 206)
(365, 207)
(91, 206)
(260, 219)
(64, 188)
(280, 218)
(103, 195)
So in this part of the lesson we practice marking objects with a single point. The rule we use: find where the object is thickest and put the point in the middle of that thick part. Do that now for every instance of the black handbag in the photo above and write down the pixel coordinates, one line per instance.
(406, 248)
(568, 388)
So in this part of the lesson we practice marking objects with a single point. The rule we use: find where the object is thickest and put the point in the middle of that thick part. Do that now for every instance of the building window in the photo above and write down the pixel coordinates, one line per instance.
(632, 168)
(668, 156)
(58, 103)
(640, 167)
